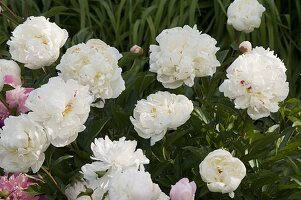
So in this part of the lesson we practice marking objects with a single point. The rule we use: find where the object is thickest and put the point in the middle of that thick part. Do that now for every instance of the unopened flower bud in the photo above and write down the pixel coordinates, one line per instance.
(136, 49)
(245, 46)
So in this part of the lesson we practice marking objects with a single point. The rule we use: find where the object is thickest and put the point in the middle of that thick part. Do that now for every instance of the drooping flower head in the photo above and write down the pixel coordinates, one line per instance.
(183, 54)
(256, 81)
(94, 64)
(245, 15)
(12, 187)
(22, 144)
(61, 107)
(37, 42)
(222, 172)
(160, 112)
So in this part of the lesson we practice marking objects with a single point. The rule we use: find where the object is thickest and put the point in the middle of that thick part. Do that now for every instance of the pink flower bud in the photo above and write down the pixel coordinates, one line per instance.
(183, 190)
(136, 49)
(245, 46)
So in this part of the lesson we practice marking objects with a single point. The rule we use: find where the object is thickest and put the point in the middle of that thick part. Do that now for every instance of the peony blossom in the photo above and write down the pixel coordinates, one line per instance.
(94, 64)
(183, 54)
(72, 191)
(10, 73)
(16, 99)
(132, 184)
(160, 112)
(62, 108)
(37, 42)
(222, 172)
(12, 187)
(245, 15)
(183, 190)
(257, 82)
(22, 144)
(111, 157)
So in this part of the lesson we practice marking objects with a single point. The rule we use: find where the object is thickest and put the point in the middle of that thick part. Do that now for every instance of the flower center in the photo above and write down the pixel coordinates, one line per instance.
(68, 109)
(43, 39)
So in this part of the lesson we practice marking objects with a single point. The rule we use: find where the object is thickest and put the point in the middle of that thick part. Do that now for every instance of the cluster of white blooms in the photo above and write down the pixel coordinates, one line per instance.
(183, 54)
(222, 172)
(22, 144)
(62, 108)
(245, 15)
(10, 73)
(117, 169)
(94, 64)
(112, 156)
(160, 112)
(257, 82)
(37, 42)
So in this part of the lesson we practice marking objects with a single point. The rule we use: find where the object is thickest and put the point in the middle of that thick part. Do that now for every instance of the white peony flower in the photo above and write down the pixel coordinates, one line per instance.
(22, 144)
(62, 107)
(111, 157)
(160, 112)
(132, 184)
(37, 42)
(245, 15)
(222, 172)
(10, 73)
(183, 54)
(72, 191)
(257, 82)
(94, 64)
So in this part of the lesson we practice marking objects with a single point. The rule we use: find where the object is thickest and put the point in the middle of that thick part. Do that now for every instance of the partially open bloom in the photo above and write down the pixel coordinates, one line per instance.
(183, 190)
(37, 42)
(257, 82)
(94, 64)
(245, 15)
(22, 144)
(16, 99)
(183, 54)
(12, 187)
(132, 184)
(61, 107)
(111, 157)
(160, 112)
(222, 172)
(10, 73)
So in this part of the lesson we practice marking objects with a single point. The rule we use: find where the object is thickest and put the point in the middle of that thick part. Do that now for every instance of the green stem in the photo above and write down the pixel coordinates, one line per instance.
(53, 180)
